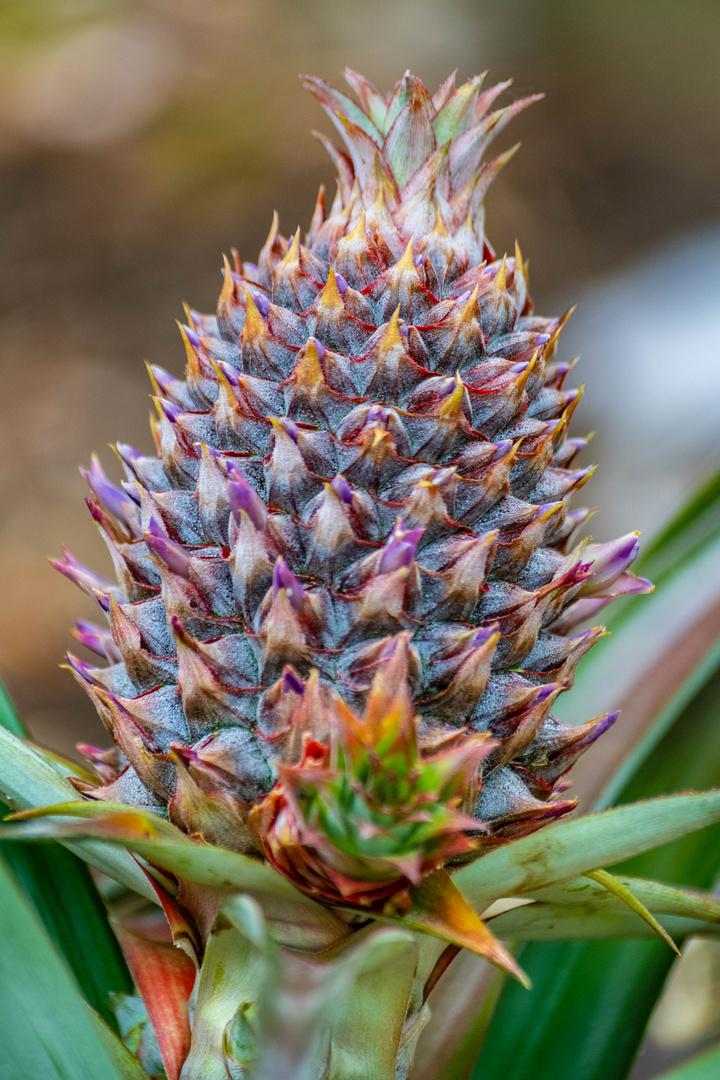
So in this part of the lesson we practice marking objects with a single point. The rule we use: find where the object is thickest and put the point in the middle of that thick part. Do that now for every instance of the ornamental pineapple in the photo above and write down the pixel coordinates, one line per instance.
(349, 581)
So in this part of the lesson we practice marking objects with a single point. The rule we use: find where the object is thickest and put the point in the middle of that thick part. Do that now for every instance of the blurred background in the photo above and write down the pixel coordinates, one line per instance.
(139, 139)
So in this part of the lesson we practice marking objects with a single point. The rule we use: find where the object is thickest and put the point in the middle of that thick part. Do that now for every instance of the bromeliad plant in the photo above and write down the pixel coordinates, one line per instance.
(348, 595)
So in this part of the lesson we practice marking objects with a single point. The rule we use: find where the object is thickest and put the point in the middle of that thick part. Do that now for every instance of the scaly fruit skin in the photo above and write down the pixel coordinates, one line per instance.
(368, 458)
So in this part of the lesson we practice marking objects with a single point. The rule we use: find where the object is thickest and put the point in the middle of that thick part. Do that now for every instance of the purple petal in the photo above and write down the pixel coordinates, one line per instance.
(602, 727)
(319, 348)
(376, 415)
(291, 684)
(443, 477)
(230, 373)
(80, 575)
(502, 449)
(283, 578)
(445, 387)
(342, 489)
(98, 639)
(399, 550)
(170, 411)
(609, 561)
(81, 668)
(484, 634)
(128, 454)
(243, 497)
(167, 551)
(113, 498)
(289, 427)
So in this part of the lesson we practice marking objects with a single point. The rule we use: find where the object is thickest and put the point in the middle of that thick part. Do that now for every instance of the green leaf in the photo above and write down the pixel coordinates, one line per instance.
(657, 897)
(591, 1001)
(234, 970)
(298, 1015)
(9, 718)
(455, 113)
(704, 1067)
(127, 1066)
(627, 897)
(64, 896)
(439, 908)
(584, 844)
(345, 1016)
(567, 922)
(297, 919)
(28, 781)
(45, 1029)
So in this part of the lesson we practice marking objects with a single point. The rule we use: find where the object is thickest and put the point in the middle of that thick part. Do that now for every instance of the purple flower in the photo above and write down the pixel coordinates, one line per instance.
(166, 550)
(342, 489)
(98, 639)
(283, 578)
(244, 498)
(399, 550)
(262, 303)
(113, 498)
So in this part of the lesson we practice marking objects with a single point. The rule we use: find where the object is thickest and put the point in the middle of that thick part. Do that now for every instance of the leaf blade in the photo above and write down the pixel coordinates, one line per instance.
(44, 1027)
(28, 781)
(627, 897)
(704, 1067)
(575, 847)
(65, 897)
(299, 919)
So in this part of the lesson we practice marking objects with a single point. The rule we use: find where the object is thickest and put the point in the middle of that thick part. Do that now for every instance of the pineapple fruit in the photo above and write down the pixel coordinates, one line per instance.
(349, 588)
(348, 582)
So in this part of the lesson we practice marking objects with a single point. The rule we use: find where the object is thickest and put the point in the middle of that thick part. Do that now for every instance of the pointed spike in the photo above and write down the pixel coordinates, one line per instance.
(331, 297)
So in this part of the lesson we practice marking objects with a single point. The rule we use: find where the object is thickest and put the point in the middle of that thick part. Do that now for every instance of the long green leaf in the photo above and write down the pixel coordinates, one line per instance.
(28, 781)
(127, 1066)
(66, 899)
(9, 718)
(298, 919)
(565, 922)
(628, 897)
(64, 895)
(45, 1030)
(659, 898)
(704, 1067)
(591, 1001)
(586, 843)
